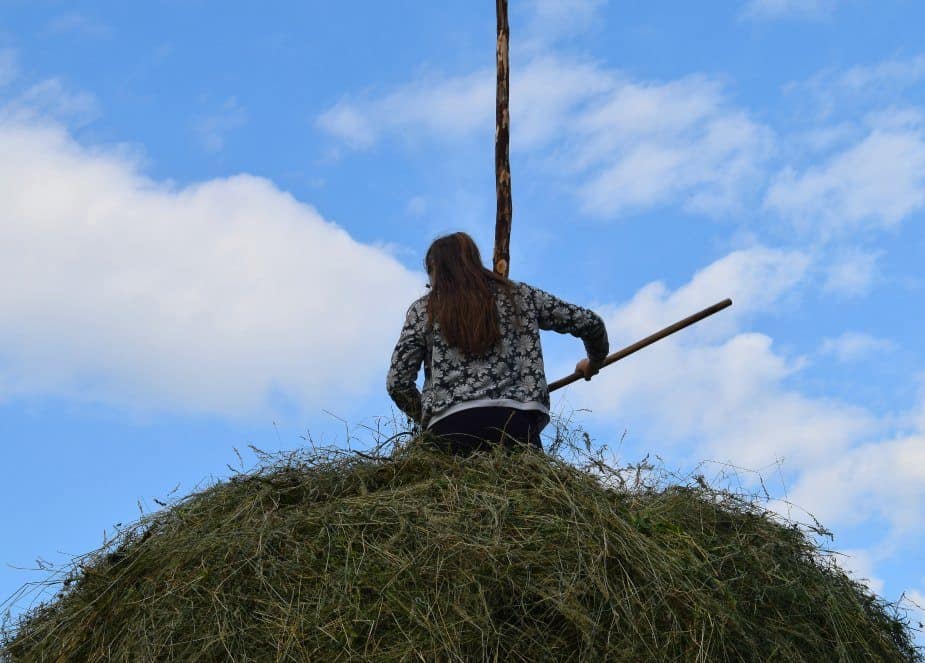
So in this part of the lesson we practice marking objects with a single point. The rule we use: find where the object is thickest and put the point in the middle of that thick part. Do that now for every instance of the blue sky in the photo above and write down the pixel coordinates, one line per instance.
(212, 219)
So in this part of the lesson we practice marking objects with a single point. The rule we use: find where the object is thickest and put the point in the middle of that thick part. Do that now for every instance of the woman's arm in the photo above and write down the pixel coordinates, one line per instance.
(560, 316)
(406, 362)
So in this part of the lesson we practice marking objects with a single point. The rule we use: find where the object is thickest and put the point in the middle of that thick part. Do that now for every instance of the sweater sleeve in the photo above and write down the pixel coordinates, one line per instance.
(560, 316)
(406, 362)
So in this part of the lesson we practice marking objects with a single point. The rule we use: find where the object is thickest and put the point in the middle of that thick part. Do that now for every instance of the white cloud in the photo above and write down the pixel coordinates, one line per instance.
(50, 99)
(730, 398)
(726, 394)
(347, 122)
(550, 20)
(863, 170)
(213, 129)
(9, 67)
(417, 206)
(851, 272)
(649, 144)
(881, 480)
(899, 72)
(443, 108)
(755, 279)
(896, 119)
(543, 95)
(875, 81)
(825, 138)
(628, 144)
(876, 183)
(846, 93)
(855, 346)
(718, 385)
(395, 249)
(916, 419)
(860, 564)
(205, 298)
(548, 93)
(776, 9)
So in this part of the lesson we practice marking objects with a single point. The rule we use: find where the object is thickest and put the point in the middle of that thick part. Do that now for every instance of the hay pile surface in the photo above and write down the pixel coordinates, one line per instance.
(421, 556)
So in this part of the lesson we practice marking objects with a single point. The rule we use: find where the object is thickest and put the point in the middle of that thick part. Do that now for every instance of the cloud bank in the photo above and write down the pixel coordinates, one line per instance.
(217, 297)
(625, 145)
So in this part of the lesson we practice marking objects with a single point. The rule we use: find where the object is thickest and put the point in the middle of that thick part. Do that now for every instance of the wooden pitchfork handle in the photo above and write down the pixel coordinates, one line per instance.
(648, 340)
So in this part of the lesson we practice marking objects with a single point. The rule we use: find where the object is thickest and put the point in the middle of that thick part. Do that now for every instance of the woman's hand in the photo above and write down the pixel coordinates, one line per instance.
(586, 369)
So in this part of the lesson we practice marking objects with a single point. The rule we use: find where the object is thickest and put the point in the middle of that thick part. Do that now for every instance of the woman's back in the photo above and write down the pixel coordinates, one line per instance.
(510, 374)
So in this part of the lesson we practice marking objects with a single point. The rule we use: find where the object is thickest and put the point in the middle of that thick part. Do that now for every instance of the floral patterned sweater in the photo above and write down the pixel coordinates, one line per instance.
(510, 374)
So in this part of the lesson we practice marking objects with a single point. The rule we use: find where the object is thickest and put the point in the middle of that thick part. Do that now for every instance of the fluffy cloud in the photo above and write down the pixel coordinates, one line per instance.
(876, 183)
(544, 89)
(727, 394)
(445, 109)
(716, 384)
(626, 144)
(548, 94)
(348, 123)
(860, 564)
(729, 398)
(879, 83)
(51, 99)
(646, 144)
(755, 279)
(851, 272)
(853, 346)
(897, 72)
(881, 480)
(543, 94)
(553, 19)
(213, 297)
(212, 129)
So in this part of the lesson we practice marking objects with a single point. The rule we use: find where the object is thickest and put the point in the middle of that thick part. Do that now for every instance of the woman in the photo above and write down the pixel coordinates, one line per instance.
(477, 334)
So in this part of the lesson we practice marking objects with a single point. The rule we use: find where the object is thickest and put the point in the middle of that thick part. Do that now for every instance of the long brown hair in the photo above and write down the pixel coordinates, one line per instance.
(462, 296)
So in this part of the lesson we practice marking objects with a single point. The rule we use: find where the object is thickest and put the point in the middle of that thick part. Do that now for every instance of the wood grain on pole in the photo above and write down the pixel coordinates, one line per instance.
(648, 340)
(502, 257)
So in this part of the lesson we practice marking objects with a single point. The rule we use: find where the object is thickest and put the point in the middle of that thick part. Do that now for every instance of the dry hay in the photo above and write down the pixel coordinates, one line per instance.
(421, 556)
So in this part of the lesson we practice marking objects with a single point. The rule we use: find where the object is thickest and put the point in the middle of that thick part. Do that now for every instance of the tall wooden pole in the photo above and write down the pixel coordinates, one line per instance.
(502, 256)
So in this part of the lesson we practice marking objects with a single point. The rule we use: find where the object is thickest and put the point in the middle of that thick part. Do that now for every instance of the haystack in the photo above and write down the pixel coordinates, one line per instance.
(420, 556)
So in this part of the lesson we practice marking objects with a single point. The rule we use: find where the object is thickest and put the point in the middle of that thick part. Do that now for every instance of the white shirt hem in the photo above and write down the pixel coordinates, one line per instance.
(488, 402)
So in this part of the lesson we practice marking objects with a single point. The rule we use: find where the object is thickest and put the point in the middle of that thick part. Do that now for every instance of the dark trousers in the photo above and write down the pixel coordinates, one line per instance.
(481, 428)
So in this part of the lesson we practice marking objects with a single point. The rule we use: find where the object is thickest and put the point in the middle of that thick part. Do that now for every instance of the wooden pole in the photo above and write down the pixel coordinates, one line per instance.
(502, 256)
(648, 340)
